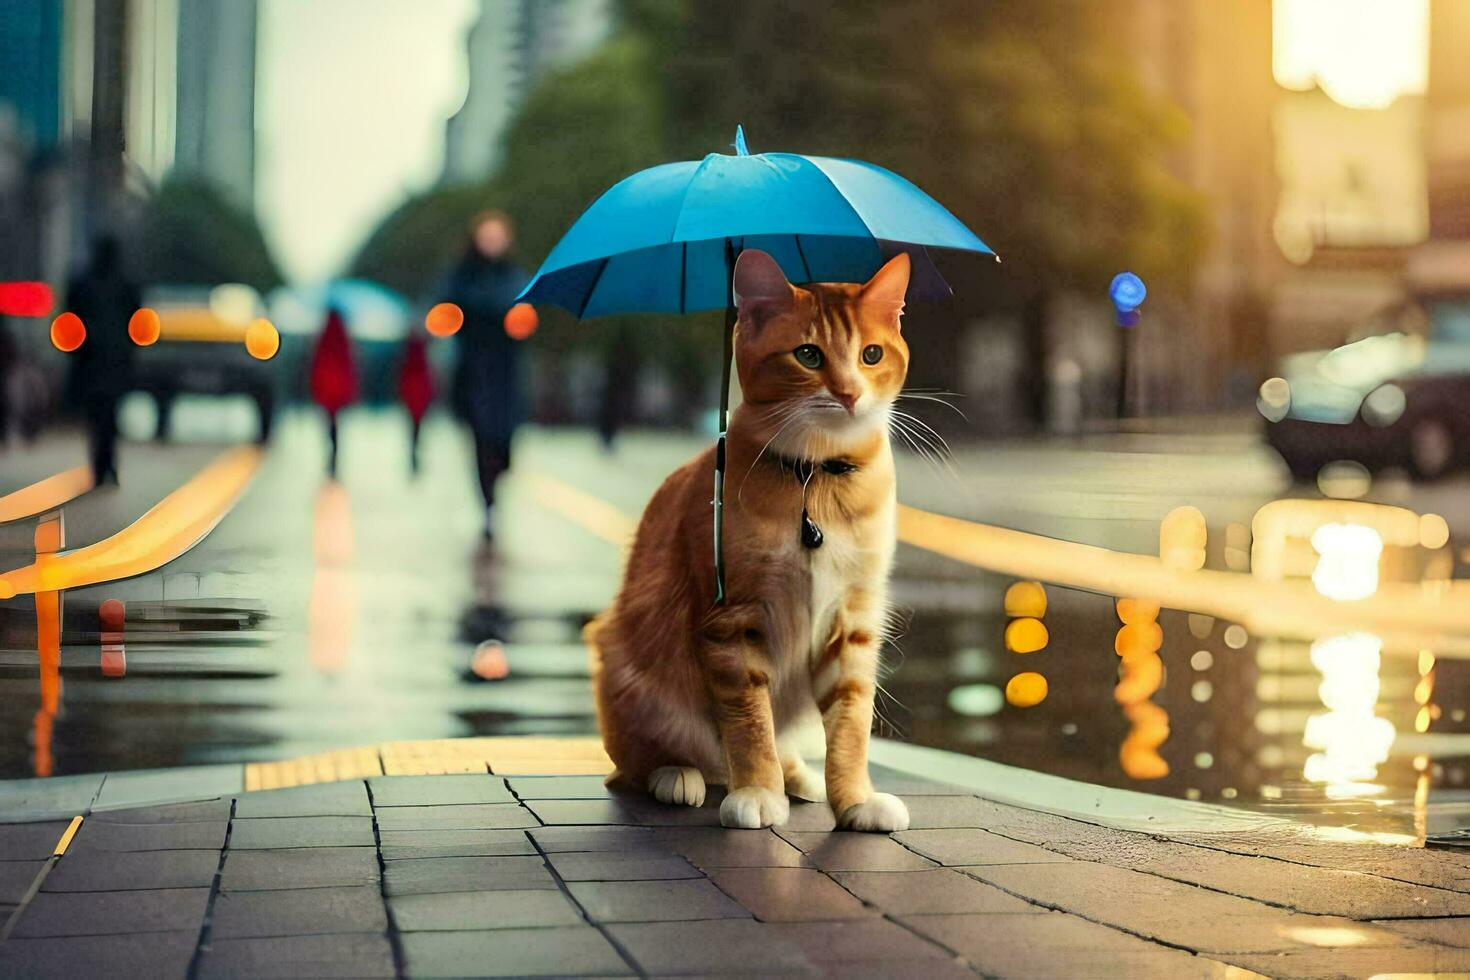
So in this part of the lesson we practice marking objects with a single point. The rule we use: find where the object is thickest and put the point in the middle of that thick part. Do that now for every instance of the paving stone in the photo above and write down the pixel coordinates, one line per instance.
(810, 817)
(653, 901)
(1426, 961)
(716, 847)
(1174, 913)
(147, 954)
(289, 832)
(104, 871)
(301, 867)
(299, 912)
(438, 790)
(399, 844)
(1436, 868)
(714, 947)
(195, 835)
(900, 783)
(457, 816)
(953, 969)
(1054, 945)
(553, 839)
(342, 799)
(1323, 891)
(789, 894)
(560, 788)
(343, 955)
(113, 913)
(567, 951)
(29, 841)
(1446, 932)
(852, 941)
(927, 812)
(425, 876)
(621, 866)
(204, 810)
(956, 847)
(624, 811)
(838, 851)
(920, 892)
(149, 786)
(16, 878)
(50, 798)
(483, 910)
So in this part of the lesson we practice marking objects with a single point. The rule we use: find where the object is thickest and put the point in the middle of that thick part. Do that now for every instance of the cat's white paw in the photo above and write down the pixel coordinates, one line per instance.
(683, 785)
(881, 813)
(753, 807)
(806, 784)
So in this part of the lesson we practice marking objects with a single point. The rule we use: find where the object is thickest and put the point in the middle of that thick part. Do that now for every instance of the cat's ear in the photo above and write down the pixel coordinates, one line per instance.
(760, 286)
(890, 283)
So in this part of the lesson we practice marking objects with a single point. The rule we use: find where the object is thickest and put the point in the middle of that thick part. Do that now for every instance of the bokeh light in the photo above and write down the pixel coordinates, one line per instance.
(1434, 531)
(25, 299)
(444, 320)
(1026, 690)
(1026, 599)
(1025, 635)
(489, 662)
(68, 332)
(262, 339)
(521, 321)
(1137, 610)
(144, 327)
(1274, 399)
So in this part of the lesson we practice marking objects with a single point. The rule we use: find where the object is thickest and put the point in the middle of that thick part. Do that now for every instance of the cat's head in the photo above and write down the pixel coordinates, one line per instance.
(825, 360)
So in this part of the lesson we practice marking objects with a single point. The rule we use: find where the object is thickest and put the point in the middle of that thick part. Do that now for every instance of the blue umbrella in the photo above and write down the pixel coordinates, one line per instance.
(665, 240)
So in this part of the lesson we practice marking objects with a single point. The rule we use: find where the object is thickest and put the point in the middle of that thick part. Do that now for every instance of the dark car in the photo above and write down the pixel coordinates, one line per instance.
(202, 352)
(1391, 400)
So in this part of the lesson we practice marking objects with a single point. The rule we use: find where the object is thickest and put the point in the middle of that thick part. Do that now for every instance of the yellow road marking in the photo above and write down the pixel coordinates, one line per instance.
(65, 842)
(173, 526)
(1433, 614)
(47, 494)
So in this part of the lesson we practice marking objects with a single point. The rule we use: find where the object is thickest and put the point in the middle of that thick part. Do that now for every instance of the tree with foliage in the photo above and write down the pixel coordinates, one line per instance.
(193, 234)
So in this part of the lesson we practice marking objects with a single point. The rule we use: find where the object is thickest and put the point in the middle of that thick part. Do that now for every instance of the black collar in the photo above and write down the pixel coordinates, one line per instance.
(804, 469)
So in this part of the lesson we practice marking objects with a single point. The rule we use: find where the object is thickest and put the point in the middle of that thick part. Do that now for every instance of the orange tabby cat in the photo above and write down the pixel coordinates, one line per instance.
(690, 692)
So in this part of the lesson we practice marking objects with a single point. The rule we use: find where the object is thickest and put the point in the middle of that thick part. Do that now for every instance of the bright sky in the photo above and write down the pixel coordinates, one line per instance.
(1364, 53)
(351, 101)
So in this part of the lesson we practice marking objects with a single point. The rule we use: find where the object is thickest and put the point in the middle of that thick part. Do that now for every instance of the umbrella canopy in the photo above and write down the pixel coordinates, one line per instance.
(665, 240)
(661, 240)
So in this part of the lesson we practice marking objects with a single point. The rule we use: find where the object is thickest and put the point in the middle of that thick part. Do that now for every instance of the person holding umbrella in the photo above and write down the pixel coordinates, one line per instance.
(488, 392)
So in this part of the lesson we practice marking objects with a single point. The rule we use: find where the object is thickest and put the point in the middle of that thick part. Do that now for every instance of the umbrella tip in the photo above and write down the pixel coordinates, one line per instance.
(739, 144)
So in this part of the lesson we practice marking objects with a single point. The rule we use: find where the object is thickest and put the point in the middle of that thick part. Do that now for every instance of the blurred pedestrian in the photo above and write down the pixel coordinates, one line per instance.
(619, 383)
(102, 368)
(489, 393)
(333, 377)
(415, 390)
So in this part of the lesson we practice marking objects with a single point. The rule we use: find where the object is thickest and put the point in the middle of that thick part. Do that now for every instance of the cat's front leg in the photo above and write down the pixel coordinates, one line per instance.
(847, 715)
(737, 671)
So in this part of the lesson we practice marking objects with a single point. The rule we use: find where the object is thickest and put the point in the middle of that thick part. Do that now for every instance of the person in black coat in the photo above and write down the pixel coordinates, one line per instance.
(489, 390)
(102, 368)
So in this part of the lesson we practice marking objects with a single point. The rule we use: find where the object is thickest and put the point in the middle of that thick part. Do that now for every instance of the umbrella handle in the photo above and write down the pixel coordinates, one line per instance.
(729, 355)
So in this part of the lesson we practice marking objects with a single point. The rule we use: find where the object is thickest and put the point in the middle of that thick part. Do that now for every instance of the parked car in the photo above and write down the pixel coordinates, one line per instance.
(1388, 400)
(201, 351)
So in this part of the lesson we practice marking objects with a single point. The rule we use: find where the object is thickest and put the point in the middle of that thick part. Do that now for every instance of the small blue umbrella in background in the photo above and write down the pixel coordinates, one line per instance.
(665, 241)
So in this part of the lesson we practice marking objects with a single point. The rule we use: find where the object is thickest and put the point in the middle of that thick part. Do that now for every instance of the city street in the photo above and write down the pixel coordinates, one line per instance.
(317, 616)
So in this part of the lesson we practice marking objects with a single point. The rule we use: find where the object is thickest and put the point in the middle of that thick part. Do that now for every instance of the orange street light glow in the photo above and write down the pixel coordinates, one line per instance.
(262, 340)
(144, 327)
(444, 320)
(1026, 690)
(68, 332)
(521, 321)
(25, 299)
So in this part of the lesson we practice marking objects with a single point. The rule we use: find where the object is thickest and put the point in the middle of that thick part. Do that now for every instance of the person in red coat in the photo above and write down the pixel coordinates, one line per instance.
(333, 377)
(415, 390)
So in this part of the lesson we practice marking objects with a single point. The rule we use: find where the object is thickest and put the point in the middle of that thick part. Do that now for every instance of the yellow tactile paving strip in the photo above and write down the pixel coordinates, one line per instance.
(173, 526)
(47, 494)
(66, 836)
(511, 756)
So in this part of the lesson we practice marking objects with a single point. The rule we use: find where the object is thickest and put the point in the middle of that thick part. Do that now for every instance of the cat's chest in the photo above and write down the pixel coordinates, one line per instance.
(850, 557)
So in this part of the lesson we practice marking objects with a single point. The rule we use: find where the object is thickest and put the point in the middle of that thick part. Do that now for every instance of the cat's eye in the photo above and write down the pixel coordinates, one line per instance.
(872, 354)
(809, 356)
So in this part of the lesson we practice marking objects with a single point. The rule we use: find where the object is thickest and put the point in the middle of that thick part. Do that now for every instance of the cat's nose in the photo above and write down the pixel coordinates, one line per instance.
(849, 400)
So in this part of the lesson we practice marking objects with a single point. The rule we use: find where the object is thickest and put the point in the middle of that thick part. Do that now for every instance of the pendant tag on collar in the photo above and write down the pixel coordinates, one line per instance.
(811, 535)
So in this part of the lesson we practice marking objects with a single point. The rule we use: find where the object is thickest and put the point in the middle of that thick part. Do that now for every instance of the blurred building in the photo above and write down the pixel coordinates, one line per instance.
(216, 95)
(512, 45)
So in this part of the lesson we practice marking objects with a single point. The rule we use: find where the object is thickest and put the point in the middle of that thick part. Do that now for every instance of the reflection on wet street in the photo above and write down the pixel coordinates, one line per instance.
(315, 615)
